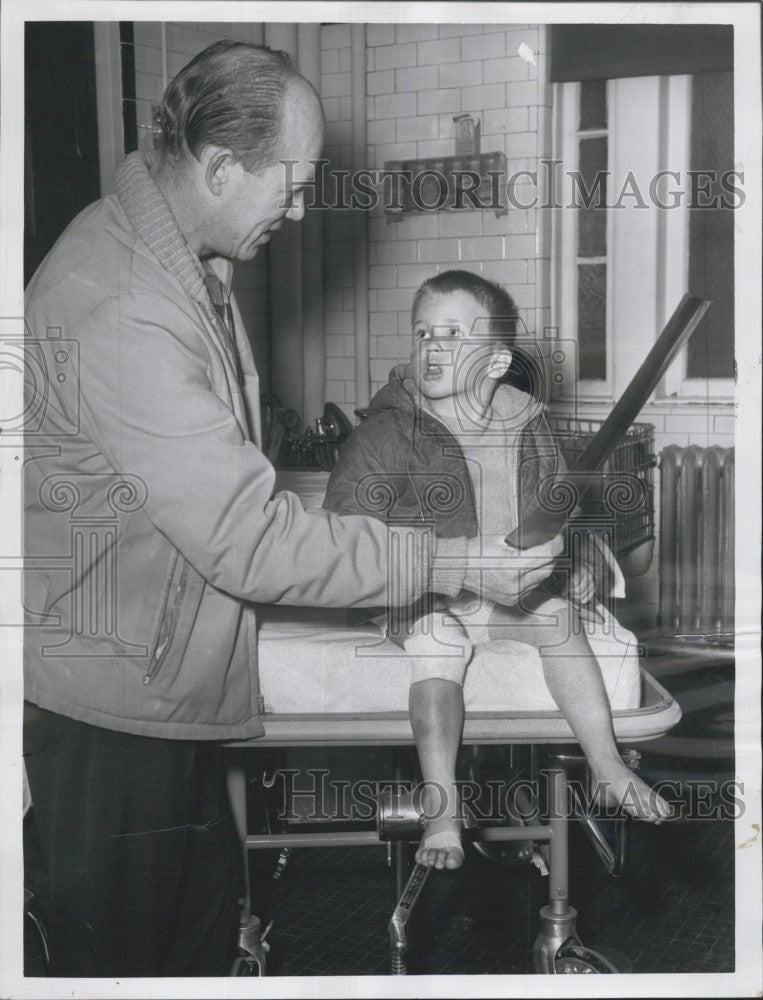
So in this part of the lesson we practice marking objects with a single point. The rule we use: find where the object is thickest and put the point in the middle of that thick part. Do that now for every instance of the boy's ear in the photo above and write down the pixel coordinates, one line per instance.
(499, 363)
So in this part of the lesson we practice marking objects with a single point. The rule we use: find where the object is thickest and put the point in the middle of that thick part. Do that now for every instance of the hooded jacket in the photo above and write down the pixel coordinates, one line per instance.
(404, 466)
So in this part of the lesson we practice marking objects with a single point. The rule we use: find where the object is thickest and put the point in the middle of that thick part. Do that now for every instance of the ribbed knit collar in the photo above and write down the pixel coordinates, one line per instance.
(151, 216)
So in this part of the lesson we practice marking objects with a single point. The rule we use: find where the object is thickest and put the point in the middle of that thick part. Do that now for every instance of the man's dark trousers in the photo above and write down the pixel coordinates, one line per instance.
(144, 865)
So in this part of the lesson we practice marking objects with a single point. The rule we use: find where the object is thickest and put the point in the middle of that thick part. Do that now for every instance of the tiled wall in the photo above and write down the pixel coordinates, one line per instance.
(184, 41)
(418, 77)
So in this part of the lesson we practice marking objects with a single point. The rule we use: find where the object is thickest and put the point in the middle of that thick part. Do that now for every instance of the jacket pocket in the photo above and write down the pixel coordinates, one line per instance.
(173, 599)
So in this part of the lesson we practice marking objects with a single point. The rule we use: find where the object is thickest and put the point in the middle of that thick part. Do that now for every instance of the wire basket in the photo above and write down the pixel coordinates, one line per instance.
(635, 456)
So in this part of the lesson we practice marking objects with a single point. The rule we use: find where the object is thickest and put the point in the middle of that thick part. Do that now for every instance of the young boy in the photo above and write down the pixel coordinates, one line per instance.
(446, 441)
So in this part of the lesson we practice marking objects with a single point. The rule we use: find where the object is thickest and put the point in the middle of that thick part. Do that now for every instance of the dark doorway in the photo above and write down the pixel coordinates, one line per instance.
(61, 169)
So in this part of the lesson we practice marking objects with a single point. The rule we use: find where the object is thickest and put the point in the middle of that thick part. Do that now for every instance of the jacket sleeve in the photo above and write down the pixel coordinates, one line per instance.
(367, 471)
(148, 405)
(370, 478)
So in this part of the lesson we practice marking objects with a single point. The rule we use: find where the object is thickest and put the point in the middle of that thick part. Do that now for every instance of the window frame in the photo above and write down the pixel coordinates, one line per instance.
(649, 126)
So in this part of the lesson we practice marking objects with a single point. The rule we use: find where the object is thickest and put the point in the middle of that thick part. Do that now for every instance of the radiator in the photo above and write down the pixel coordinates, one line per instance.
(697, 541)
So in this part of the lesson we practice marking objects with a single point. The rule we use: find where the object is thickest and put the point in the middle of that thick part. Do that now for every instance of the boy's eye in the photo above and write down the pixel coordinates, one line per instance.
(419, 334)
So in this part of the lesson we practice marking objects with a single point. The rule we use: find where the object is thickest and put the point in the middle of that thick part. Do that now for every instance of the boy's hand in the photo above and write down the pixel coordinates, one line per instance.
(581, 591)
(503, 574)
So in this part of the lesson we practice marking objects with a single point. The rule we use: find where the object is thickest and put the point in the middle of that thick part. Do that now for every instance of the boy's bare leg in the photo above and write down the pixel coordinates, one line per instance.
(575, 682)
(436, 709)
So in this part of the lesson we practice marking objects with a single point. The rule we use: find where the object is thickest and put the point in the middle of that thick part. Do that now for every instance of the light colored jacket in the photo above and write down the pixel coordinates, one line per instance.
(151, 524)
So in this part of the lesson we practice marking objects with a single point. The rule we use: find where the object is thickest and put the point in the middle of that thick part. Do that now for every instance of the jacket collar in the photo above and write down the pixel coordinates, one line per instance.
(511, 406)
(153, 221)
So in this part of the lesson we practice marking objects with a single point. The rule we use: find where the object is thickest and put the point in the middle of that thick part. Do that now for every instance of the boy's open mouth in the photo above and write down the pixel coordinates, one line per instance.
(432, 371)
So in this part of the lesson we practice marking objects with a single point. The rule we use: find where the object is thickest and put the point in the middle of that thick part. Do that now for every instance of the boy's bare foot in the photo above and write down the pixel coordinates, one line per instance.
(616, 785)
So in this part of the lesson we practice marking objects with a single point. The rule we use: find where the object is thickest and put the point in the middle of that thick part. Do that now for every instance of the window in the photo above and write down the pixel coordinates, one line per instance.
(592, 232)
(627, 244)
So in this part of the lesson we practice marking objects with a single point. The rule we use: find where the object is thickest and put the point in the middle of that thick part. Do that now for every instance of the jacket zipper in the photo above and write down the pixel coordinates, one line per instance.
(169, 622)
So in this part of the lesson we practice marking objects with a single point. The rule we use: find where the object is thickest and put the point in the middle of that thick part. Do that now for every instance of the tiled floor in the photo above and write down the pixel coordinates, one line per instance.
(673, 910)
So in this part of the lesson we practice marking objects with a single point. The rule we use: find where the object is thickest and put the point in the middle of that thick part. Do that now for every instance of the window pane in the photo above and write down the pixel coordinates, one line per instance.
(593, 104)
(592, 191)
(592, 320)
(711, 230)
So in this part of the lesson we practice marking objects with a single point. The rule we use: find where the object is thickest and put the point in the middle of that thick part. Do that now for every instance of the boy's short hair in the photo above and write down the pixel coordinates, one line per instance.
(497, 302)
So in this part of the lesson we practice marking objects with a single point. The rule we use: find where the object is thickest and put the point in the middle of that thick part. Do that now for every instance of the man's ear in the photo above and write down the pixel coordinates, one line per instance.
(499, 363)
(217, 164)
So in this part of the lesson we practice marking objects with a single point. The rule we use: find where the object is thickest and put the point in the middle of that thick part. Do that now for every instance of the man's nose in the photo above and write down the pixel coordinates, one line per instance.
(297, 207)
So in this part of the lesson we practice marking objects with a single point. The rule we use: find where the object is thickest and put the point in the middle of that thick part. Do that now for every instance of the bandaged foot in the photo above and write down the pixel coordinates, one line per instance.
(440, 846)
(616, 785)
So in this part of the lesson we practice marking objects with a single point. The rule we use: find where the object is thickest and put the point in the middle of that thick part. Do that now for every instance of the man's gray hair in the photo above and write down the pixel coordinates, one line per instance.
(230, 95)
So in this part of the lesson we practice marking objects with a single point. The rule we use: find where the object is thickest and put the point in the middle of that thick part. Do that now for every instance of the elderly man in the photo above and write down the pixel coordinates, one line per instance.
(152, 527)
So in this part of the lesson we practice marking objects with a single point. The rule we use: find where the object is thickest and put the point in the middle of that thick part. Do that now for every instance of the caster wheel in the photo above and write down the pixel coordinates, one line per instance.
(574, 959)
(245, 965)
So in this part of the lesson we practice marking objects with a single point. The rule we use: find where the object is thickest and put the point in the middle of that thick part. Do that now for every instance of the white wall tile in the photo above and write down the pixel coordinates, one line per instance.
(522, 93)
(431, 148)
(380, 34)
(394, 105)
(439, 250)
(382, 276)
(335, 36)
(500, 120)
(460, 74)
(335, 84)
(491, 46)
(459, 30)
(414, 128)
(381, 82)
(509, 273)
(440, 100)
(394, 56)
(485, 96)
(415, 78)
(329, 61)
(438, 52)
(381, 131)
(415, 32)
(521, 246)
(482, 248)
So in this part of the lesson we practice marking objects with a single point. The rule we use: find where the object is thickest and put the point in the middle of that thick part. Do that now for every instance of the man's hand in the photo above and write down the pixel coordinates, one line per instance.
(582, 585)
(503, 574)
